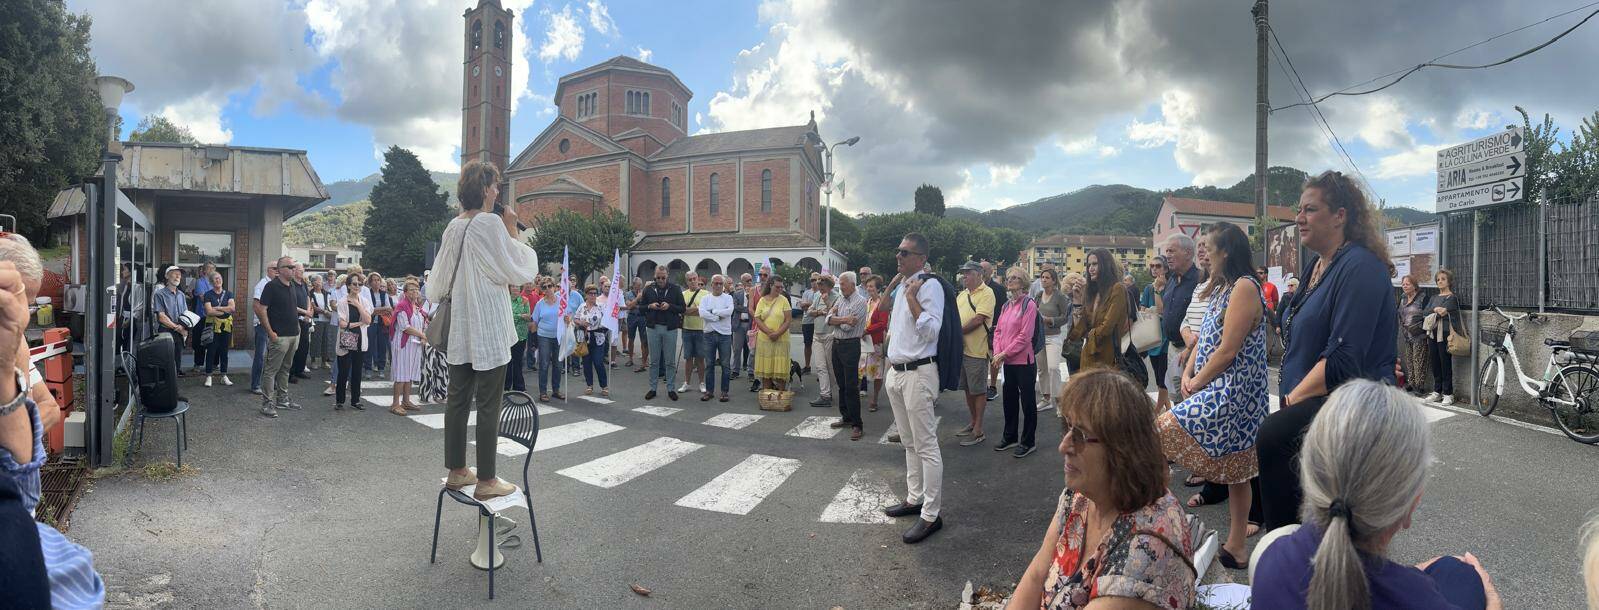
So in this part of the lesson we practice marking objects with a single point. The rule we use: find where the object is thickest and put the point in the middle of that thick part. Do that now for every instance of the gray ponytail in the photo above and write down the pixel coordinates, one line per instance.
(1363, 462)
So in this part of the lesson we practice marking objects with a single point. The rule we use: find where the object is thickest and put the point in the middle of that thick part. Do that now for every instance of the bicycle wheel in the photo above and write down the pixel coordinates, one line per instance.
(1573, 397)
(1488, 384)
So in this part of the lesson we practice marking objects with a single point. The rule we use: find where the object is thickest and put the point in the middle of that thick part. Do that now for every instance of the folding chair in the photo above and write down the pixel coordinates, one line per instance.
(178, 414)
(519, 421)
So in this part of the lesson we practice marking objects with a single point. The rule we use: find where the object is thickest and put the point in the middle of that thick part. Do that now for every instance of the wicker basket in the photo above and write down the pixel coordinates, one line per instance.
(775, 400)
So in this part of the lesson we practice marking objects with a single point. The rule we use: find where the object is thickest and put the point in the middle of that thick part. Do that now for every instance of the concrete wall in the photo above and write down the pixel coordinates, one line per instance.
(1533, 355)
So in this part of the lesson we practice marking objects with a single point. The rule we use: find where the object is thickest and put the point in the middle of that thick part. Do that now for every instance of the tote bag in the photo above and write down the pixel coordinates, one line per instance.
(439, 329)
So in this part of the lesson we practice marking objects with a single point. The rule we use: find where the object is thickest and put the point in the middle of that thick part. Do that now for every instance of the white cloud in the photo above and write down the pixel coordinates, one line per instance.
(1476, 119)
(563, 38)
(1418, 161)
(1197, 150)
(644, 55)
(1383, 125)
(203, 118)
(600, 18)
(1085, 145)
(1109, 151)
(1003, 174)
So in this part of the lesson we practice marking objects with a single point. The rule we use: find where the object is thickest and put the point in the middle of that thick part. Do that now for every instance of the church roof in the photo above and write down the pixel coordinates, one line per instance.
(735, 141)
(724, 241)
(620, 62)
(564, 185)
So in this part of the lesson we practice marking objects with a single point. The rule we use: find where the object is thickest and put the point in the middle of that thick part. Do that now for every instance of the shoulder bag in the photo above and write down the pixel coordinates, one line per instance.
(439, 329)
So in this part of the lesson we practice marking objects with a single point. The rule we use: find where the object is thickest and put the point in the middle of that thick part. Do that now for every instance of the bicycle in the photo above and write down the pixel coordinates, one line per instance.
(1571, 393)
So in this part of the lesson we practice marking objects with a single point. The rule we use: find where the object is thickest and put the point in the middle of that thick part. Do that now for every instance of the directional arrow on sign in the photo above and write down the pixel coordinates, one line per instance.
(1486, 171)
(1514, 165)
(1513, 189)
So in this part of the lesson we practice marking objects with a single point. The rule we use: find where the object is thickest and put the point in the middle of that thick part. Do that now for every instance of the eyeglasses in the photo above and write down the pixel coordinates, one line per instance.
(1078, 436)
(906, 253)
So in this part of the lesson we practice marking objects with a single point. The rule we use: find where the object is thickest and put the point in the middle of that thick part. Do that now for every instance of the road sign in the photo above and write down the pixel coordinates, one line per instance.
(1504, 143)
(1480, 196)
(1482, 172)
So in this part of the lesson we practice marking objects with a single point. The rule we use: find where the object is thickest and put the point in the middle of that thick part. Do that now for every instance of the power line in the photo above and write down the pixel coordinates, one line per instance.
(1404, 73)
(1326, 136)
(1315, 110)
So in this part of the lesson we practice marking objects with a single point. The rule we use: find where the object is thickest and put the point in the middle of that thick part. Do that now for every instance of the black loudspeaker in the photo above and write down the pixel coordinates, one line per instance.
(158, 373)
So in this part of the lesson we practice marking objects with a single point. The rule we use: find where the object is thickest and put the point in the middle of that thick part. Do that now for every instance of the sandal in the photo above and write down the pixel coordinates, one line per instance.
(410, 407)
(1252, 530)
(589, 392)
(1196, 501)
(397, 411)
(871, 407)
(544, 397)
(1230, 562)
(605, 393)
(1193, 481)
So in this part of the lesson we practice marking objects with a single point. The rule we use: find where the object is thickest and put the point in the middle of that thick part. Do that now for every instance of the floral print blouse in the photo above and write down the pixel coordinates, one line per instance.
(1132, 561)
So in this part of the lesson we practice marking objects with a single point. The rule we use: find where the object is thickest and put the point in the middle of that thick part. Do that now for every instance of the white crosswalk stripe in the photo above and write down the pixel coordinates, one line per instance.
(657, 411)
(742, 487)
(597, 399)
(733, 421)
(816, 426)
(436, 420)
(860, 501)
(561, 436)
(377, 385)
(626, 465)
(506, 447)
(382, 400)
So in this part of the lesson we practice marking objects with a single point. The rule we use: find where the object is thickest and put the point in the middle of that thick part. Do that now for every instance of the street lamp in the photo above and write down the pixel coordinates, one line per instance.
(98, 341)
(827, 185)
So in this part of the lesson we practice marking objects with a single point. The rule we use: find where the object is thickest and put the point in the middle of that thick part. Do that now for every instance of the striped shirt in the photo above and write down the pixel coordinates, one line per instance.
(70, 566)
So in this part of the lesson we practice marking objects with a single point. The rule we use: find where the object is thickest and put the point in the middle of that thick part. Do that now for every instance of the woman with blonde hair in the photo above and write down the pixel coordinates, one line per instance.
(1363, 467)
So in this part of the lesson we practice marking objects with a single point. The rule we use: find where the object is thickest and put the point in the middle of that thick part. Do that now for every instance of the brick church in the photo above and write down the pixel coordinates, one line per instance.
(716, 202)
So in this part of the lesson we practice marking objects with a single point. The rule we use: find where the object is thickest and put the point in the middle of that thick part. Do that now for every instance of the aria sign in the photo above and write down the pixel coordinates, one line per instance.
(1484, 172)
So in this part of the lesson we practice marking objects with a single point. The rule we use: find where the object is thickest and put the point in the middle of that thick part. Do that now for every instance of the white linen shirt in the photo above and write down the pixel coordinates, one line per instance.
(481, 331)
(717, 310)
(914, 338)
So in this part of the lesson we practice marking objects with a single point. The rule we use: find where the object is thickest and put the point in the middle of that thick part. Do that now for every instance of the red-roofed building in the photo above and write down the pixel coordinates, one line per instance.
(1190, 216)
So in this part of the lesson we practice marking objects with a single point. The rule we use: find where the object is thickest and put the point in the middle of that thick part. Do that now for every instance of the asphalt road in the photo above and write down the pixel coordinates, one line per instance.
(324, 509)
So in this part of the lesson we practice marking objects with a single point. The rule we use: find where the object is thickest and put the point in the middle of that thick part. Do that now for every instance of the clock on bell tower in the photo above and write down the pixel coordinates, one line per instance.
(486, 86)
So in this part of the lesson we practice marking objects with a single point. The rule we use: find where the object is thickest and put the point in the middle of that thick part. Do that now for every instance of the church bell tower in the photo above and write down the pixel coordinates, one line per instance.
(486, 87)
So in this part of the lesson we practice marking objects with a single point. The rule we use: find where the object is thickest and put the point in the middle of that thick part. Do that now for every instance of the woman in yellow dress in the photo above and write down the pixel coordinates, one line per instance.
(772, 317)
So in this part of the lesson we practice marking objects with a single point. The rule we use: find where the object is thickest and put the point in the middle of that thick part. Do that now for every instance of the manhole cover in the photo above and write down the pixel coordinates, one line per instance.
(61, 480)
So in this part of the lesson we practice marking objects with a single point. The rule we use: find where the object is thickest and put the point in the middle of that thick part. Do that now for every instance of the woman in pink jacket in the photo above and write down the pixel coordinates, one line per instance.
(1013, 350)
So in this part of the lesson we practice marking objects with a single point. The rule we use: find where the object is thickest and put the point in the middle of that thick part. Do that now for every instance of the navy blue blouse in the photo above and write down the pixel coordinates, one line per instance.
(1350, 319)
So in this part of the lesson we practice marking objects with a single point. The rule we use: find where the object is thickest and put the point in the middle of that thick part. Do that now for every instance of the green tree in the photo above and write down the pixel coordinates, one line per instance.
(408, 212)
(930, 200)
(846, 237)
(52, 125)
(593, 239)
(1542, 158)
(156, 128)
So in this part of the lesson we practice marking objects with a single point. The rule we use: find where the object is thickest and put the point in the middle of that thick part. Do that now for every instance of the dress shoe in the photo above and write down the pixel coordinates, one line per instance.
(649, 395)
(903, 510)
(855, 434)
(822, 403)
(838, 424)
(922, 530)
(671, 394)
(495, 489)
(457, 482)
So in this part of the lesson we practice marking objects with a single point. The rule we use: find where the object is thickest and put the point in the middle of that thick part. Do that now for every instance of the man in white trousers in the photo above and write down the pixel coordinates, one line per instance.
(912, 382)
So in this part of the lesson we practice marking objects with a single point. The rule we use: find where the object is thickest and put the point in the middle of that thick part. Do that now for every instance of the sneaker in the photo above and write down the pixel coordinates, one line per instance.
(291, 405)
(822, 403)
(1005, 445)
(993, 393)
(967, 431)
(976, 440)
(683, 388)
(1447, 401)
(208, 381)
(226, 381)
(1046, 404)
(327, 392)
(702, 388)
(269, 411)
(257, 391)
(1433, 397)
(1023, 451)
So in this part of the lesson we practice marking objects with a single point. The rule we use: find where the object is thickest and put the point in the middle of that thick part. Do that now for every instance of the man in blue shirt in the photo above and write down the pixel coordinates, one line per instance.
(1182, 278)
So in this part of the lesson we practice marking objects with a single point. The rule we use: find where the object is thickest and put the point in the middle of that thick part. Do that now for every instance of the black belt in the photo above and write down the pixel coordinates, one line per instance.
(912, 365)
(846, 339)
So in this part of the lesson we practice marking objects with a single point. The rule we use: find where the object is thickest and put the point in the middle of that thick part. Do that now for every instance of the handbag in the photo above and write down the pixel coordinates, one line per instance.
(439, 329)
(349, 341)
(1459, 345)
(1146, 331)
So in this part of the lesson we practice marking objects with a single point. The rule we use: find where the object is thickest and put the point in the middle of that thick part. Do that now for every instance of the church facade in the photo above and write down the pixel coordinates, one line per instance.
(713, 203)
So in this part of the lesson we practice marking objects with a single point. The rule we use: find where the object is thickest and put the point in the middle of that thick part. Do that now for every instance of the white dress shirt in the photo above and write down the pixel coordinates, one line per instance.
(481, 331)
(255, 296)
(914, 338)
(717, 311)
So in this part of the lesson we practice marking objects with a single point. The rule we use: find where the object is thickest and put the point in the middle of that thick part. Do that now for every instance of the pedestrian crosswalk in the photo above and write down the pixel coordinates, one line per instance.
(742, 487)
(816, 426)
(629, 464)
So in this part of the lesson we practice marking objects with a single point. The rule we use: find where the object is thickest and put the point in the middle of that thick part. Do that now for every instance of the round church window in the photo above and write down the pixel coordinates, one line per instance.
(565, 145)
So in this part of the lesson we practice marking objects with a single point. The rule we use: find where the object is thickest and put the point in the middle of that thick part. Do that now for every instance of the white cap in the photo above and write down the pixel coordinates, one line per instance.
(170, 269)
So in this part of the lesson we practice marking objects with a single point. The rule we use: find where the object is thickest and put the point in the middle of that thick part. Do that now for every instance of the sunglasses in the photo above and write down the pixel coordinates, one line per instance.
(905, 253)
(1078, 436)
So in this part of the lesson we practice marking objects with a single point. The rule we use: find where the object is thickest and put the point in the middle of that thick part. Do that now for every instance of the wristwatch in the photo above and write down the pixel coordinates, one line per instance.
(21, 397)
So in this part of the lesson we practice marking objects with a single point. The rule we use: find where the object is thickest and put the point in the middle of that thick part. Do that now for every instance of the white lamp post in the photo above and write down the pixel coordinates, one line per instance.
(102, 230)
(827, 187)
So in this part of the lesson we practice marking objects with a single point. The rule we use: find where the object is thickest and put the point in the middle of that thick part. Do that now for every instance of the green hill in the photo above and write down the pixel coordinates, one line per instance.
(350, 191)
(334, 225)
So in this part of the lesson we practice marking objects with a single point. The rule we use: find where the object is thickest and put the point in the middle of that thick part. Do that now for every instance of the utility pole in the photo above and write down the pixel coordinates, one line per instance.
(1262, 107)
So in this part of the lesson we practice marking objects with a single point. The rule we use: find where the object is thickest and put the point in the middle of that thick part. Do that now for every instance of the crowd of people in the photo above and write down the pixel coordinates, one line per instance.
(1334, 475)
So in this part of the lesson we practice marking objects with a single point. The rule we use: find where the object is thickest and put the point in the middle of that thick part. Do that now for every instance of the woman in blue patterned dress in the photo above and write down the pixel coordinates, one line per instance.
(1212, 433)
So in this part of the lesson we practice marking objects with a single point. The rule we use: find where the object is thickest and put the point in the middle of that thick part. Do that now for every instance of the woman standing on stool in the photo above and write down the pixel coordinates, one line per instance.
(1340, 327)
(479, 255)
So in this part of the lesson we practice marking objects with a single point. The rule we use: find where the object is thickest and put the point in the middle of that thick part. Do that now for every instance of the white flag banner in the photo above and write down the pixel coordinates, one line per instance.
(563, 330)
(613, 299)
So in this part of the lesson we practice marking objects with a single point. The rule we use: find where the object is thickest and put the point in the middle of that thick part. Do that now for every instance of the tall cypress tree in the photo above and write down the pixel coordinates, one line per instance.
(408, 212)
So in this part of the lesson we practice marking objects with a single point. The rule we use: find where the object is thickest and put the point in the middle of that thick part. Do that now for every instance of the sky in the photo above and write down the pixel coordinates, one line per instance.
(997, 103)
